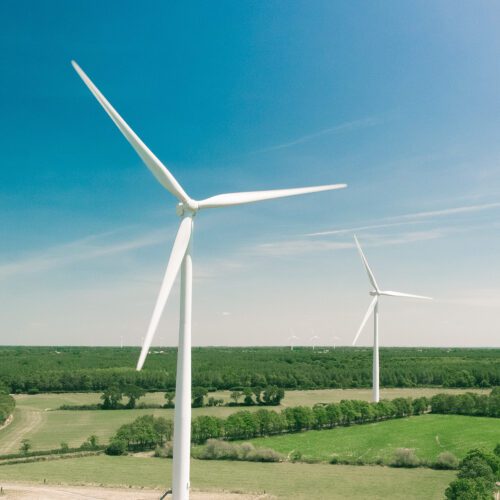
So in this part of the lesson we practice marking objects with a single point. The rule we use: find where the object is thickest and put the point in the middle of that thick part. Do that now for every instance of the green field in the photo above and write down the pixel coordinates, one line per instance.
(429, 435)
(37, 419)
(284, 480)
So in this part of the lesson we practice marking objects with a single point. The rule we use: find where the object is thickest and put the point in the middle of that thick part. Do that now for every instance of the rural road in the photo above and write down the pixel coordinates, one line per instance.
(51, 492)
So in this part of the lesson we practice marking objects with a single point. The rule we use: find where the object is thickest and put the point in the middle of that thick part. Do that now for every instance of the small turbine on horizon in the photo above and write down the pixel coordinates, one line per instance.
(313, 339)
(335, 338)
(181, 261)
(292, 338)
(373, 307)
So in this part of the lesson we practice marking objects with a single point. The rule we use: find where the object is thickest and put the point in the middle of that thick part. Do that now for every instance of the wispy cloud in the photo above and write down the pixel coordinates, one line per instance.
(410, 219)
(361, 228)
(308, 246)
(450, 211)
(337, 129)
(85, 249)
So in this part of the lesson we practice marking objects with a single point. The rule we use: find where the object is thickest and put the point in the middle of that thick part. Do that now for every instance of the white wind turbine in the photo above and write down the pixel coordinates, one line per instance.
(292, 340)
(181, 260)
(335, 338)
(373, 307)
(313, 340)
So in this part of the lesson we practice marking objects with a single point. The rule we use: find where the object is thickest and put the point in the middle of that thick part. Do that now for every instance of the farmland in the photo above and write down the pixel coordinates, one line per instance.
(283, 480)
(429, 435)
(37, 418)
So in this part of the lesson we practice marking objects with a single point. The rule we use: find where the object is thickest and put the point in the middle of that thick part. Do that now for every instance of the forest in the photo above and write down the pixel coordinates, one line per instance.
(70, 369)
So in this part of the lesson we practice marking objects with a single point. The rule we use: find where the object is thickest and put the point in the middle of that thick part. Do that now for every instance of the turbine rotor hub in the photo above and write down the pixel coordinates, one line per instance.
(187, 208)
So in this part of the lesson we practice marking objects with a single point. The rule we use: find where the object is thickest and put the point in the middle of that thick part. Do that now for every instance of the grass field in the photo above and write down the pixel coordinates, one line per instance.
(284, 480)
(37, 419)
(429, 435)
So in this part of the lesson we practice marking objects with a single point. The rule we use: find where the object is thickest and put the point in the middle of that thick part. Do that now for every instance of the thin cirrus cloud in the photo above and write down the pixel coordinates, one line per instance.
(307, 246)
(412, 219)
(370, 121)
(85, 249)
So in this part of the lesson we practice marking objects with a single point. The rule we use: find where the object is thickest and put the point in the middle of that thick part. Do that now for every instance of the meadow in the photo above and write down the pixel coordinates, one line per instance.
(36, 416)
(283, 480)
(429, 435)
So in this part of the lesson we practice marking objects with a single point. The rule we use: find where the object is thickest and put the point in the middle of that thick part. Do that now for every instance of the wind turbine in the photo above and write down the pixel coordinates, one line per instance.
(292, 338)
(181, 260)
(312, 339)
(335, 338)
(373, 307)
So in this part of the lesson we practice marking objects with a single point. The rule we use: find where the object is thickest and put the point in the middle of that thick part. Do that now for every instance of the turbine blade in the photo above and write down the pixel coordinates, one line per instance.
(162, 174)
(371, 276)
(174, 263)
(408, 295)
(224, 200)
(365, 319)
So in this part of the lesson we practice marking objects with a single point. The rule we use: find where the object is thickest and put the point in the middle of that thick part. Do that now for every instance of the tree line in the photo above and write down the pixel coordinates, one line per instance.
(246, 424)
(113, 396)
(70, 369)
(146, 432)
(469, 403)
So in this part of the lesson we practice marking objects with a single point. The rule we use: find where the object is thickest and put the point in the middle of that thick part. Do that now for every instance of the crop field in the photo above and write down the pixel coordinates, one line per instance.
(283, 480)
(429, 435)
(37, 418)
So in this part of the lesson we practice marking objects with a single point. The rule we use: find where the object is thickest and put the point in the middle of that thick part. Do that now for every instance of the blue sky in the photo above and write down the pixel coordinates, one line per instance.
(399, 100)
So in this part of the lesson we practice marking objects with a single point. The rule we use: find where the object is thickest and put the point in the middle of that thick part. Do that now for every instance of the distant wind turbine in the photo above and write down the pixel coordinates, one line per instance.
(373, 307)
(313, 339)
(335, 338)
(181, 260)
(292, 338)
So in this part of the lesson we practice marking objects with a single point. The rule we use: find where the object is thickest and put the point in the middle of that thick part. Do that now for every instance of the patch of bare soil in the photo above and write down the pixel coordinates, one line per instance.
(54, 492)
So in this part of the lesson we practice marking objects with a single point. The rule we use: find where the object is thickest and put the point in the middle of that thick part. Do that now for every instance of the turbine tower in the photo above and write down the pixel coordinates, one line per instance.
(373, 307)
(292, 339)
(335, 338)
(181, 260)
(313, 340)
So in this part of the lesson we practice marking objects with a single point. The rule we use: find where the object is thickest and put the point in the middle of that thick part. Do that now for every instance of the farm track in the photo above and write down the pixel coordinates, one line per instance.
(24, 423)
(46, 492)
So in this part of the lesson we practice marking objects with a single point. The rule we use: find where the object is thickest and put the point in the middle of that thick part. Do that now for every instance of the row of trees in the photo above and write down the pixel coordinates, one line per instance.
(69, 369)
(246, 424)
(477, 475)
(113, 395)
(468, 403)
(147, 432)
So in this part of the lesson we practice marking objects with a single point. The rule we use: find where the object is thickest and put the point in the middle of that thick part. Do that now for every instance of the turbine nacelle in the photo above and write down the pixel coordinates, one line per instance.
(188, 208)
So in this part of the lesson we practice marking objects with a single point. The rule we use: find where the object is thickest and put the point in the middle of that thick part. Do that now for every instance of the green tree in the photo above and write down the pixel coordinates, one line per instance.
(111, 397)
(170, 396)
(468, 489)
(25, 446)
(164, 429)
(133, 393)
(235, 396)
(198, 396)
(248, 396)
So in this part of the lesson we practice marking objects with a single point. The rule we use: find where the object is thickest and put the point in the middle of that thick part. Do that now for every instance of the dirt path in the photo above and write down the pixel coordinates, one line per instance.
(25, 422)
(46, 492)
